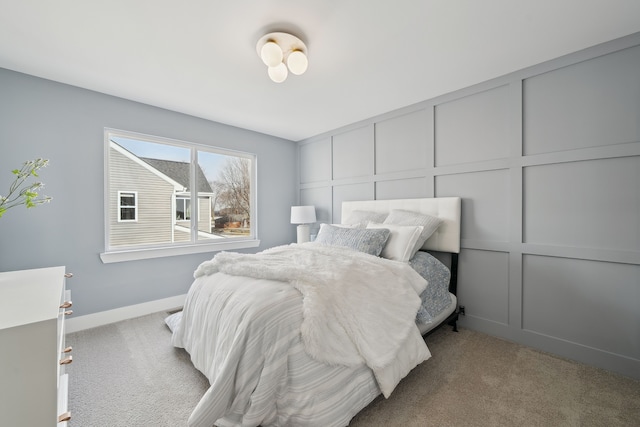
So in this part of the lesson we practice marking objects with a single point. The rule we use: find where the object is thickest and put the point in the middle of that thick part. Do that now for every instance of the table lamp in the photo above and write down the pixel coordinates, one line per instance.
(303, 215)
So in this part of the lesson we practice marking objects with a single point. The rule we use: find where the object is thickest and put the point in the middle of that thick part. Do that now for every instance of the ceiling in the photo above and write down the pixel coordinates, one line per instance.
(366, 57)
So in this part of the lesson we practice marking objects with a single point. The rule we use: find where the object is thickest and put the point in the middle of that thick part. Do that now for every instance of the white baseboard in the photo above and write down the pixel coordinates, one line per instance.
(80, 323)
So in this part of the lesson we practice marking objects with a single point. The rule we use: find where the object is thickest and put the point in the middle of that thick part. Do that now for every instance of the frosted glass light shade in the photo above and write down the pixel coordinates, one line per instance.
(278, 73)
(283, 53)
(297, 62)
(303, 214)
(271, 54)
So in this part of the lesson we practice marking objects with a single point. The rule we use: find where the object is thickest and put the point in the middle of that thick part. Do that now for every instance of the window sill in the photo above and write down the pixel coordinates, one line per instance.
(138, 254)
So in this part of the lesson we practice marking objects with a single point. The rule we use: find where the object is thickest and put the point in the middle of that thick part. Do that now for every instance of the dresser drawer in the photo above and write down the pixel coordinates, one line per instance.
(64, 352)
(65, 357)
(63, 400)
(32, 326)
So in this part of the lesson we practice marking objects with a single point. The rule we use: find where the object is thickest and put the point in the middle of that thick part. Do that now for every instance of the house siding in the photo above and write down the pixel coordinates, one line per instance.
(204, 214)
(155, 206)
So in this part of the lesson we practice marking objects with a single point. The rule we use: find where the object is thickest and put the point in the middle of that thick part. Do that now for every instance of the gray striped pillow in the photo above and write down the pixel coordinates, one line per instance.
(369, 241)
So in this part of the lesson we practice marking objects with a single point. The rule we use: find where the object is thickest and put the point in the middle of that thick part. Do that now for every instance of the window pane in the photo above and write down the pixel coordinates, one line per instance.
(183, 208)
(224, 196)
(127, 214)
(127, 200)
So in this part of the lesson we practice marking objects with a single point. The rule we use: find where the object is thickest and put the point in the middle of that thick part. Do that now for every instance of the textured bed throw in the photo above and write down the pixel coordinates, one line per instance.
(356, 307)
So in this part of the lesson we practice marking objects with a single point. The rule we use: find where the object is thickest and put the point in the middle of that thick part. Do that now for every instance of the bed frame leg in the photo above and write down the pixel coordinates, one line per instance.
(454, 320)
(454, 324)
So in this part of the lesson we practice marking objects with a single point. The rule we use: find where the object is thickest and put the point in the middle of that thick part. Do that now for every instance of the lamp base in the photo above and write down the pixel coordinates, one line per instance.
(303, 233)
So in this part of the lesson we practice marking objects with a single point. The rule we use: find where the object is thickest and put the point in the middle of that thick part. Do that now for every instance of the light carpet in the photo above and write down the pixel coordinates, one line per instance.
(128, 374)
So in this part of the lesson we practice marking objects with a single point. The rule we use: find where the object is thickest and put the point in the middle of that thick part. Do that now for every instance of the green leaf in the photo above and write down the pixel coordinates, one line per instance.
(22, 192)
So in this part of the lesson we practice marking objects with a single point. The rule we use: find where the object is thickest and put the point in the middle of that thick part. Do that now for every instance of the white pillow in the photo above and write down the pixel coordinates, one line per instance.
(401, 242)
(362, 218)
(402, 217)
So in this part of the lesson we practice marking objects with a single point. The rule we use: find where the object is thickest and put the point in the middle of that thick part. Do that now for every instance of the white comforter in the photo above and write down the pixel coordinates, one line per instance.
(298, 342)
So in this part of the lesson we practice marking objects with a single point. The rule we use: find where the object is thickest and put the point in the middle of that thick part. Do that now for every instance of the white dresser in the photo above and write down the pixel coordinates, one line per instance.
(33, 356)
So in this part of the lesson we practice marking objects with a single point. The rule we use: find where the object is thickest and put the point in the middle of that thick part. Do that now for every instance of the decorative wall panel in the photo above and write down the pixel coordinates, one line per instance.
(353, 153)
(402, 189)
(315, 161)
(485, 202)
(473, 128)
(401, 143)
(343, 193)
(592, 204)
(588, 302)
(483, 284)
(588, 104)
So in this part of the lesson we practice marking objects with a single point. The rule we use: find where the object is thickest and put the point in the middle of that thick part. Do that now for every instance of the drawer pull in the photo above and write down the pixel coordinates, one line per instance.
(68, 275)
(67, 350)
(67, 360)
(68, 312)
(66, 304)
(64, 417)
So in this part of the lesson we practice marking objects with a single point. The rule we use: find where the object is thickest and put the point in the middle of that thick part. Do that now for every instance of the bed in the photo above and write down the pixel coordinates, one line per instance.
(309, 334)
(444, 240)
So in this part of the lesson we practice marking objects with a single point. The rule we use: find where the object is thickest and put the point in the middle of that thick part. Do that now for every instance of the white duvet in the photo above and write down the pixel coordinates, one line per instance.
(299, 334)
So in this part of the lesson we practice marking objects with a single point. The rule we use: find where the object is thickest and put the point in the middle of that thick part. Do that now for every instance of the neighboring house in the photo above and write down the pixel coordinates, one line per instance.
(150, 200)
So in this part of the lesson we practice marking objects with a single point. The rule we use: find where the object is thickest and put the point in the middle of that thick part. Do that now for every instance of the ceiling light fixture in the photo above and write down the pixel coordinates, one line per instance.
(281, 53)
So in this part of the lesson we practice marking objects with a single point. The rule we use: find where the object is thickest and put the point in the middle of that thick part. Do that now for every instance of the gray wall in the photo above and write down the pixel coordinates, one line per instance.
(547, 161)
(41, 118)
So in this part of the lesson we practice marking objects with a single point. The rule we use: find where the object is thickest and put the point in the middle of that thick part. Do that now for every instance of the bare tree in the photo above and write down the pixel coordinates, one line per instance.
(233, 186)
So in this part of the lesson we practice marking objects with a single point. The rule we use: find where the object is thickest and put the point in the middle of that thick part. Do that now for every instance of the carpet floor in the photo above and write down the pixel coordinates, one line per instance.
(128, 374)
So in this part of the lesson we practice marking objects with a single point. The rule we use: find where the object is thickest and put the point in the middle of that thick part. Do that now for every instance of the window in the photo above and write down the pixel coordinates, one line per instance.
(166, 197)
(183, 208)
(127, 210)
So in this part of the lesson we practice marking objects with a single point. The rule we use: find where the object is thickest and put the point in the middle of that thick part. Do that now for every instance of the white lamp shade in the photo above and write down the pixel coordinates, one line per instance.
(297, 62)
(279, 73)
(271, 54)
(303, 214)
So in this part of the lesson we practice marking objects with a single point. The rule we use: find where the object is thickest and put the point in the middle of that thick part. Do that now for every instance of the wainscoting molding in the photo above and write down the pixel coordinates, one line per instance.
(75, 324)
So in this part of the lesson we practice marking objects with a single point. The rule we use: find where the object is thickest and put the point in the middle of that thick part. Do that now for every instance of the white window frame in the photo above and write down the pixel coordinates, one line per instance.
(111, 255)
(134, 207)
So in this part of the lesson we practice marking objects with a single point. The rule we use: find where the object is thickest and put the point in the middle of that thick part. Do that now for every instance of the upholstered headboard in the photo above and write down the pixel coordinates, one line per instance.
(445, 239)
